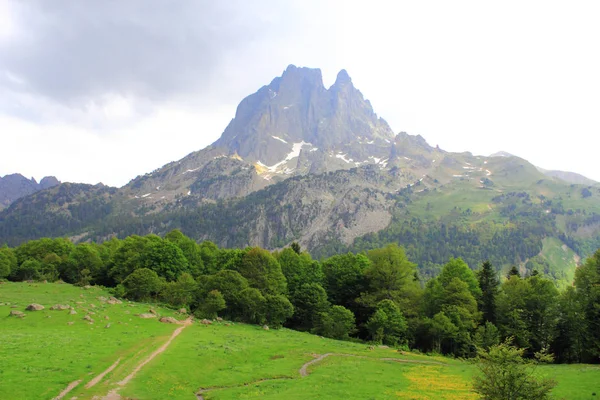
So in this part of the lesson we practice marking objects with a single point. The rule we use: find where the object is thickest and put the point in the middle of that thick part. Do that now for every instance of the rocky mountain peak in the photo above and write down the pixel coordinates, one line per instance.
(15, 186)
(342, 78)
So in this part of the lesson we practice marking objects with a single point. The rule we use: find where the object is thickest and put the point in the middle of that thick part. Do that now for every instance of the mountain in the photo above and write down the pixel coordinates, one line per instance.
(301, 162)
(15, 186)
(570, 177)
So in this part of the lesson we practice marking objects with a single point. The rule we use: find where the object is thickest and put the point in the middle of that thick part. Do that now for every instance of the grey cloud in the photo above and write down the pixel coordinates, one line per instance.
(74, 50)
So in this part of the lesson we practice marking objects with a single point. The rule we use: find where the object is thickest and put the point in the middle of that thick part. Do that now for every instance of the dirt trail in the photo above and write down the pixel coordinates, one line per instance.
(71, 386)
(162, 348)
(303, 371)
(102, 375)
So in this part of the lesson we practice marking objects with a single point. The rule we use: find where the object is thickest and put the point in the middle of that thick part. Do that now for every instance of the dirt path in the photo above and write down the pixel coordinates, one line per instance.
(102, 375)
(156, 352)
(303, 371)
(71, 386)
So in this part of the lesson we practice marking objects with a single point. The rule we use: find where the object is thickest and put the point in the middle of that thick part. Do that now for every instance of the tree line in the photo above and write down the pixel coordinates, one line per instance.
(375, 296)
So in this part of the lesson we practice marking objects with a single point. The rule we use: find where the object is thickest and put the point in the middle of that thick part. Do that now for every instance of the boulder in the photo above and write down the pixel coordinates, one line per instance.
(15, 313)
(152, 311)
(219, 319)
(145, 316)
(72, 312)
(265, 327)
(113, 300)
(88, 318)
(35, 307)
(107, 326)
(182, 311)
(206, 322)
(168, 320)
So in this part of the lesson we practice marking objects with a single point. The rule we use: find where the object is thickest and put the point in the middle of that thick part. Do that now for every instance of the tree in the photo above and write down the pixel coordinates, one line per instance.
(570, 343)
(211, 305)
(263, 272)
(190, 250)
(514, 271)
(387, 325)
(486, 336)
(28, 270)
(505, 375)
(489, 285)
(296, 247)
(457, 268)
(587, 283)
(390, 277)
(309, 301)
(83, 263)
(142, 285)
(180, 293)
(337, 323)
(7, 263)
(252, 306)
(277, 310)
(298, 269)
(344, 278)
(230, 284)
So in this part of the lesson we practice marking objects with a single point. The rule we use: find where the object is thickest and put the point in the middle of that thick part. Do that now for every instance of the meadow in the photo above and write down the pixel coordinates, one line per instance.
(41, 354)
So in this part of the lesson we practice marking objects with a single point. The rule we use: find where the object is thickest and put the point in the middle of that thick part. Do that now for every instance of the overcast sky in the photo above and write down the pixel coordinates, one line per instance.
(102, 91)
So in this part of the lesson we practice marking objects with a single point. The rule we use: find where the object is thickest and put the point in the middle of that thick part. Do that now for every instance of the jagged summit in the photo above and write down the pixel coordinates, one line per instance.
(297, 110)
(15, 186)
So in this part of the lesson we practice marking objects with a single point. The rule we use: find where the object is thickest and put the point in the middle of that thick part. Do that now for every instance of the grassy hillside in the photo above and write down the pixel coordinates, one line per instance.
(41, 354)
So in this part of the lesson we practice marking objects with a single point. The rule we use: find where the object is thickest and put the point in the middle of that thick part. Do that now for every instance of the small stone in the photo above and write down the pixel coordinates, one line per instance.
(35, 307)
(168, 320)
(265, 327)
(106, 317)
(152, 311)
(219, 319)
(146, 316)
(182, 311)
(107, 326)
(206, 322)
(72, 312)
(60, 307)
(70, 323)
(88, 318)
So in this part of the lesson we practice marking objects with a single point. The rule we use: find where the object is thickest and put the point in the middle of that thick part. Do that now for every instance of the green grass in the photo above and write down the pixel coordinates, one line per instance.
(41, 354)
(237, 357)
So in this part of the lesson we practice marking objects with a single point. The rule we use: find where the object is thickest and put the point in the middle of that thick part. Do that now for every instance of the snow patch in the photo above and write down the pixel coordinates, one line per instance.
(315, 149)
(343, 157)
(192, 170)
(488, 172)
(158, 188)
(189, 192)
(278, 138)
(146, 195)
(296, 149)
(458, 176)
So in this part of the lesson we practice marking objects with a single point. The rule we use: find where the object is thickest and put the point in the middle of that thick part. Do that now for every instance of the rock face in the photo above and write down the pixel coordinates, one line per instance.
(15, 186)
(35, 307)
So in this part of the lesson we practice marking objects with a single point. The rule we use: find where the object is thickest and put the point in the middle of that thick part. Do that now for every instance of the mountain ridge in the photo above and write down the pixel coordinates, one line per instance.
(329, 173)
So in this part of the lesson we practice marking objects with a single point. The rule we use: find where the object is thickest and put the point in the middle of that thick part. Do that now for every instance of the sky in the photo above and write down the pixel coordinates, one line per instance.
(105, 90)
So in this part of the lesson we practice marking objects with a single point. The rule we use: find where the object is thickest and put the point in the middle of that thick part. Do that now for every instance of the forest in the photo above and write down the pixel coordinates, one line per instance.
(375, 296)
